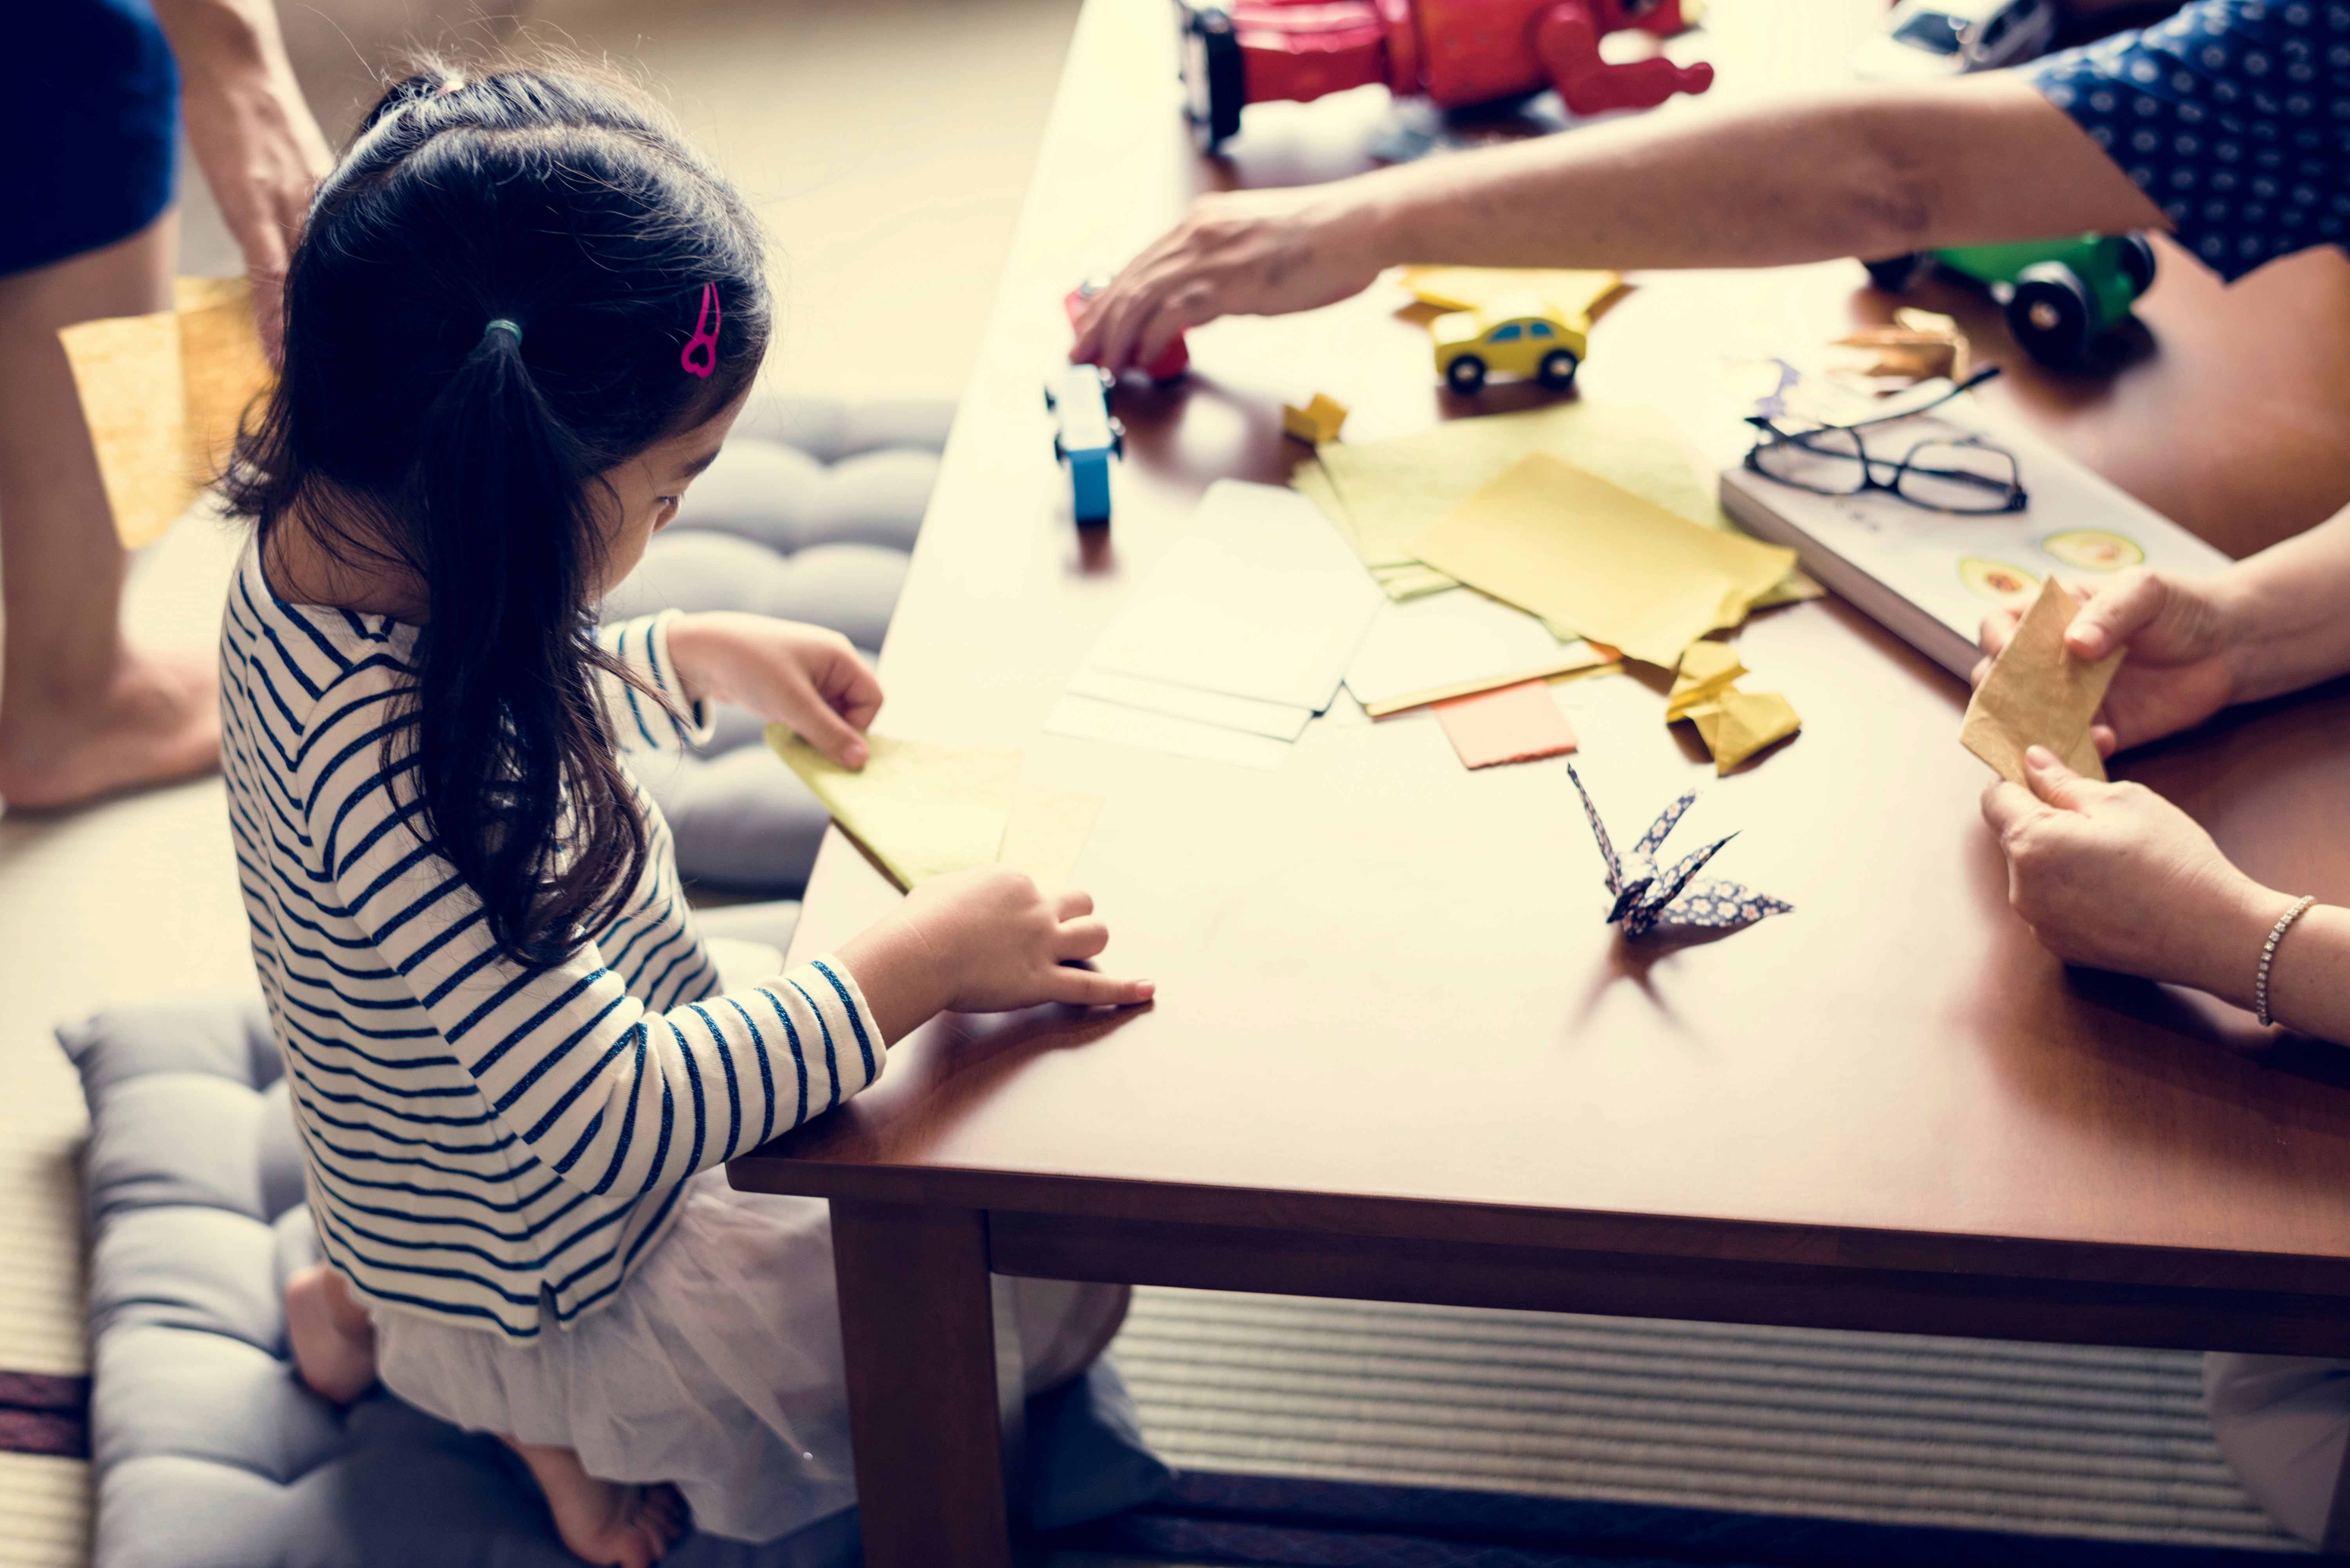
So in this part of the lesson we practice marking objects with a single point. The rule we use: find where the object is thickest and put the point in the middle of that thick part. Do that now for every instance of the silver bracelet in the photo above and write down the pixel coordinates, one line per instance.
(2268, 956)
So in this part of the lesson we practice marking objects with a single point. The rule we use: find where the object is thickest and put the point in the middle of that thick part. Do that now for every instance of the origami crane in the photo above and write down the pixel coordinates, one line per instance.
(1647, 898)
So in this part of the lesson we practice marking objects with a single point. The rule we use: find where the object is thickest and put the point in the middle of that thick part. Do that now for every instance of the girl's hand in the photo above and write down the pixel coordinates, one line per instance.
(787, 672)
(2114, 876)
(983, 940)
(1236, 253)
(2181, 637)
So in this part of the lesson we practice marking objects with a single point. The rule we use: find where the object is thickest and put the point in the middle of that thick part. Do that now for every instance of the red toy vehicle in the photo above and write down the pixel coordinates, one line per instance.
(1454, 52)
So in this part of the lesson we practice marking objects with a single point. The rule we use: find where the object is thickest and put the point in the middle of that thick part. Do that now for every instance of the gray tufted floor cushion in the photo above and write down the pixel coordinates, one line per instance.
(808, 513)
(209, 1453)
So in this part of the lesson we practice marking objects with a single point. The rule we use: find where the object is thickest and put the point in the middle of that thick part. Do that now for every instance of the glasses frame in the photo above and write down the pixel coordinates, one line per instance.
(2016, 499)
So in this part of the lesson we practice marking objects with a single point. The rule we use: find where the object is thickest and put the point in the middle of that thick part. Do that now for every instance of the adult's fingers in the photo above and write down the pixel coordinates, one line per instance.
(1084, 988)
(1080, 939)
(2107, 741)
(1997, 628)
(1070, 903)
(2118, 611)
(2054, 781)
(2005, 806)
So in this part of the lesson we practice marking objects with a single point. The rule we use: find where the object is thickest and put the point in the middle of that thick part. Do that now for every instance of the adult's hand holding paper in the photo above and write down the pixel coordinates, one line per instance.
(1597, 561)
(2038, 693)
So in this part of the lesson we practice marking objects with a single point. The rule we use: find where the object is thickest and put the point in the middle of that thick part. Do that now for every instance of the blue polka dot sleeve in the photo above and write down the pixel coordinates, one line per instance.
(2233, 116)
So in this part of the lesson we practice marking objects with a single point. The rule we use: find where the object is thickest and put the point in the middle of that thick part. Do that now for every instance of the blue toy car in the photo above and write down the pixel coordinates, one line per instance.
(1088, 438)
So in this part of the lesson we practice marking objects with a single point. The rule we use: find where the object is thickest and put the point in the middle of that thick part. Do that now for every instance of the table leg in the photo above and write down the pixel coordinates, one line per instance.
(917, 1330)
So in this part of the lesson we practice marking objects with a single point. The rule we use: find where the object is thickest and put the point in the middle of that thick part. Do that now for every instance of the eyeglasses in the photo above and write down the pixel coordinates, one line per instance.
(1940, 474)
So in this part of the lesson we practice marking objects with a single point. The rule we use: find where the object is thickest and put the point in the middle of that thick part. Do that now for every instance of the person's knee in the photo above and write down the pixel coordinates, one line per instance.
(2282, 1423)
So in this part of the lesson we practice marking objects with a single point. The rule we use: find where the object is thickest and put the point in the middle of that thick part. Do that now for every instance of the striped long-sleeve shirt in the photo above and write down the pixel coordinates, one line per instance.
(479, 1133)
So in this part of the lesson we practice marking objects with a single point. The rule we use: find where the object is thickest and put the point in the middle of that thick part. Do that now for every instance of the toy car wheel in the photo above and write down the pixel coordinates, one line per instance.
(2136, 257)
(1213, 87)
(2052, 315)
(1060, 452)
(1558, 367)
(1466, 375)
(1895, 273)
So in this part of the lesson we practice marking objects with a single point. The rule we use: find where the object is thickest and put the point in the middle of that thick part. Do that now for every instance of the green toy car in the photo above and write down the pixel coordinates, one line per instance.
(2059, 294)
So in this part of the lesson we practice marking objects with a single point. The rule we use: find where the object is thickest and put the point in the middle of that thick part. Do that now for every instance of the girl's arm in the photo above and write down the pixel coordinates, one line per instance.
(253, 133)
(620, 1094)
(1865, 172)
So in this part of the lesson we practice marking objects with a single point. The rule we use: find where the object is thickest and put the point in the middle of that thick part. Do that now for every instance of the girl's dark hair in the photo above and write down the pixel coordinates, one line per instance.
(405, 434)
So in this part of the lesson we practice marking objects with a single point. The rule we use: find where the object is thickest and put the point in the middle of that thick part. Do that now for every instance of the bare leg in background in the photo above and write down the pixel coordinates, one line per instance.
(82, 714)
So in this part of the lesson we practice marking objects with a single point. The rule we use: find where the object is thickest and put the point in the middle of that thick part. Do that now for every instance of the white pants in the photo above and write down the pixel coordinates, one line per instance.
(2284, 1424)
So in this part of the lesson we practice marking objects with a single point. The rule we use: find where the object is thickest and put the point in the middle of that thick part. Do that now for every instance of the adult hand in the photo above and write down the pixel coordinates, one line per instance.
(2114, 876)
(2181, 637)
(805, 677)
(1247, 253)
(261, 151)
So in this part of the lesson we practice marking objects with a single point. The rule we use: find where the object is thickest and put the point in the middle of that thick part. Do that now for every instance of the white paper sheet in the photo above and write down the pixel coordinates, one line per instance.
(1278, 720)
(1446, 642)
(1259, 597)
(1090, 719)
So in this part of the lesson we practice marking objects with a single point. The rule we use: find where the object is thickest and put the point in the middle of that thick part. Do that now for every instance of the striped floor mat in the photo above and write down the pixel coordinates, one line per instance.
(1945, 1435)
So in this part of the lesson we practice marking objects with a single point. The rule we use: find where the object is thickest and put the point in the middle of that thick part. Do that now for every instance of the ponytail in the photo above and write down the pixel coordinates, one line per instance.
(487, 315)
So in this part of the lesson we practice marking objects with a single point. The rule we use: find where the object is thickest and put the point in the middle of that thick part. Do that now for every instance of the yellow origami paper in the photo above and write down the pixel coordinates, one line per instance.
(1569, 292)
(1737, 724)
(1595, 560)
(2038, 693)
(925, 811)
(162, 395)
(1707, 670)
(1317, 422)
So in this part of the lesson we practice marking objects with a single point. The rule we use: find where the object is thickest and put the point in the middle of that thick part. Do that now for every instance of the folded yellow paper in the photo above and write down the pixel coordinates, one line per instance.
(1595, 560)
(1316, 422)
(1737, 724)
(925, 811)
(2038, 693)
(163, 394)
(1706, 672)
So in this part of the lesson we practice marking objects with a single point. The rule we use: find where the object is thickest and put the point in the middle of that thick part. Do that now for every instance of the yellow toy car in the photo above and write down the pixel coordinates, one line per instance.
(1518, 334)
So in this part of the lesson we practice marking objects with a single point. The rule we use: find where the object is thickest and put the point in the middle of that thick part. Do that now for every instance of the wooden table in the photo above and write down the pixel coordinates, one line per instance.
(1396, 1054)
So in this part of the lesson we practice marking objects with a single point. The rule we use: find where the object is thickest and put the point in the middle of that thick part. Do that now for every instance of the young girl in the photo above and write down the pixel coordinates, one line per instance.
(522, 319)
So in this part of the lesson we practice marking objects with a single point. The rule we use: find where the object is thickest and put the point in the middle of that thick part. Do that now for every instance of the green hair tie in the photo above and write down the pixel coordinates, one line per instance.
(499, 324)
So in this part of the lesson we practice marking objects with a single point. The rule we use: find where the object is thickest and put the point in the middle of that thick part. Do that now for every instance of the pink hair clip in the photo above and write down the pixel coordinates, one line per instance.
(705, 335)
(452, 85)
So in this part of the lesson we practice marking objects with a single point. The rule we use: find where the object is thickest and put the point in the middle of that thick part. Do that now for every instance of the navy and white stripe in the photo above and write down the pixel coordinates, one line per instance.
(481, 1133)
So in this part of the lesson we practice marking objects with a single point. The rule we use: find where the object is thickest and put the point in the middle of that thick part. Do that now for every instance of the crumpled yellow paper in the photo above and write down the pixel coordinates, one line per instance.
(1706, 672)
(925, 811)
(162, 395)
(1737, 724)
(1595, 560)
(1317, 422)
(2038, 693)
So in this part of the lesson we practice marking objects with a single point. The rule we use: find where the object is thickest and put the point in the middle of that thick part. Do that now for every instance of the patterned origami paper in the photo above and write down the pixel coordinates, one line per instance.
(1647, 898)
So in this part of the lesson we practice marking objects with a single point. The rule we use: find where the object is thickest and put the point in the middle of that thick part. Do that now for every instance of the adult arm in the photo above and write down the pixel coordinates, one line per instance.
(253, 135)
(2114, 876)
(1867, 172)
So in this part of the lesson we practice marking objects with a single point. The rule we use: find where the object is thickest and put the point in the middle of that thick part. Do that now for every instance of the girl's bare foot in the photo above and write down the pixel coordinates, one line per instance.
(605, 1522)
(334, 1342)
(156, 720)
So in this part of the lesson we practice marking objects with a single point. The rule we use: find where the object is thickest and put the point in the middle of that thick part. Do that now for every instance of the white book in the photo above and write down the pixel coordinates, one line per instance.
(1929, 577)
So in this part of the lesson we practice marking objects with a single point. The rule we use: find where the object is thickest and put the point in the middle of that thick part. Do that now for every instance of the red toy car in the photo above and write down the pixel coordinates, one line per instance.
(1454, 52)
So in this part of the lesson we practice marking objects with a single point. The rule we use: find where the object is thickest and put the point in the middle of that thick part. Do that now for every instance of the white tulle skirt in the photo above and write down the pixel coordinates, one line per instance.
(717, 1366)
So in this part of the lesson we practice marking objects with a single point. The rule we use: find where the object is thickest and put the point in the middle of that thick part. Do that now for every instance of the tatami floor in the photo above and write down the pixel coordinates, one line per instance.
(886, 144)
